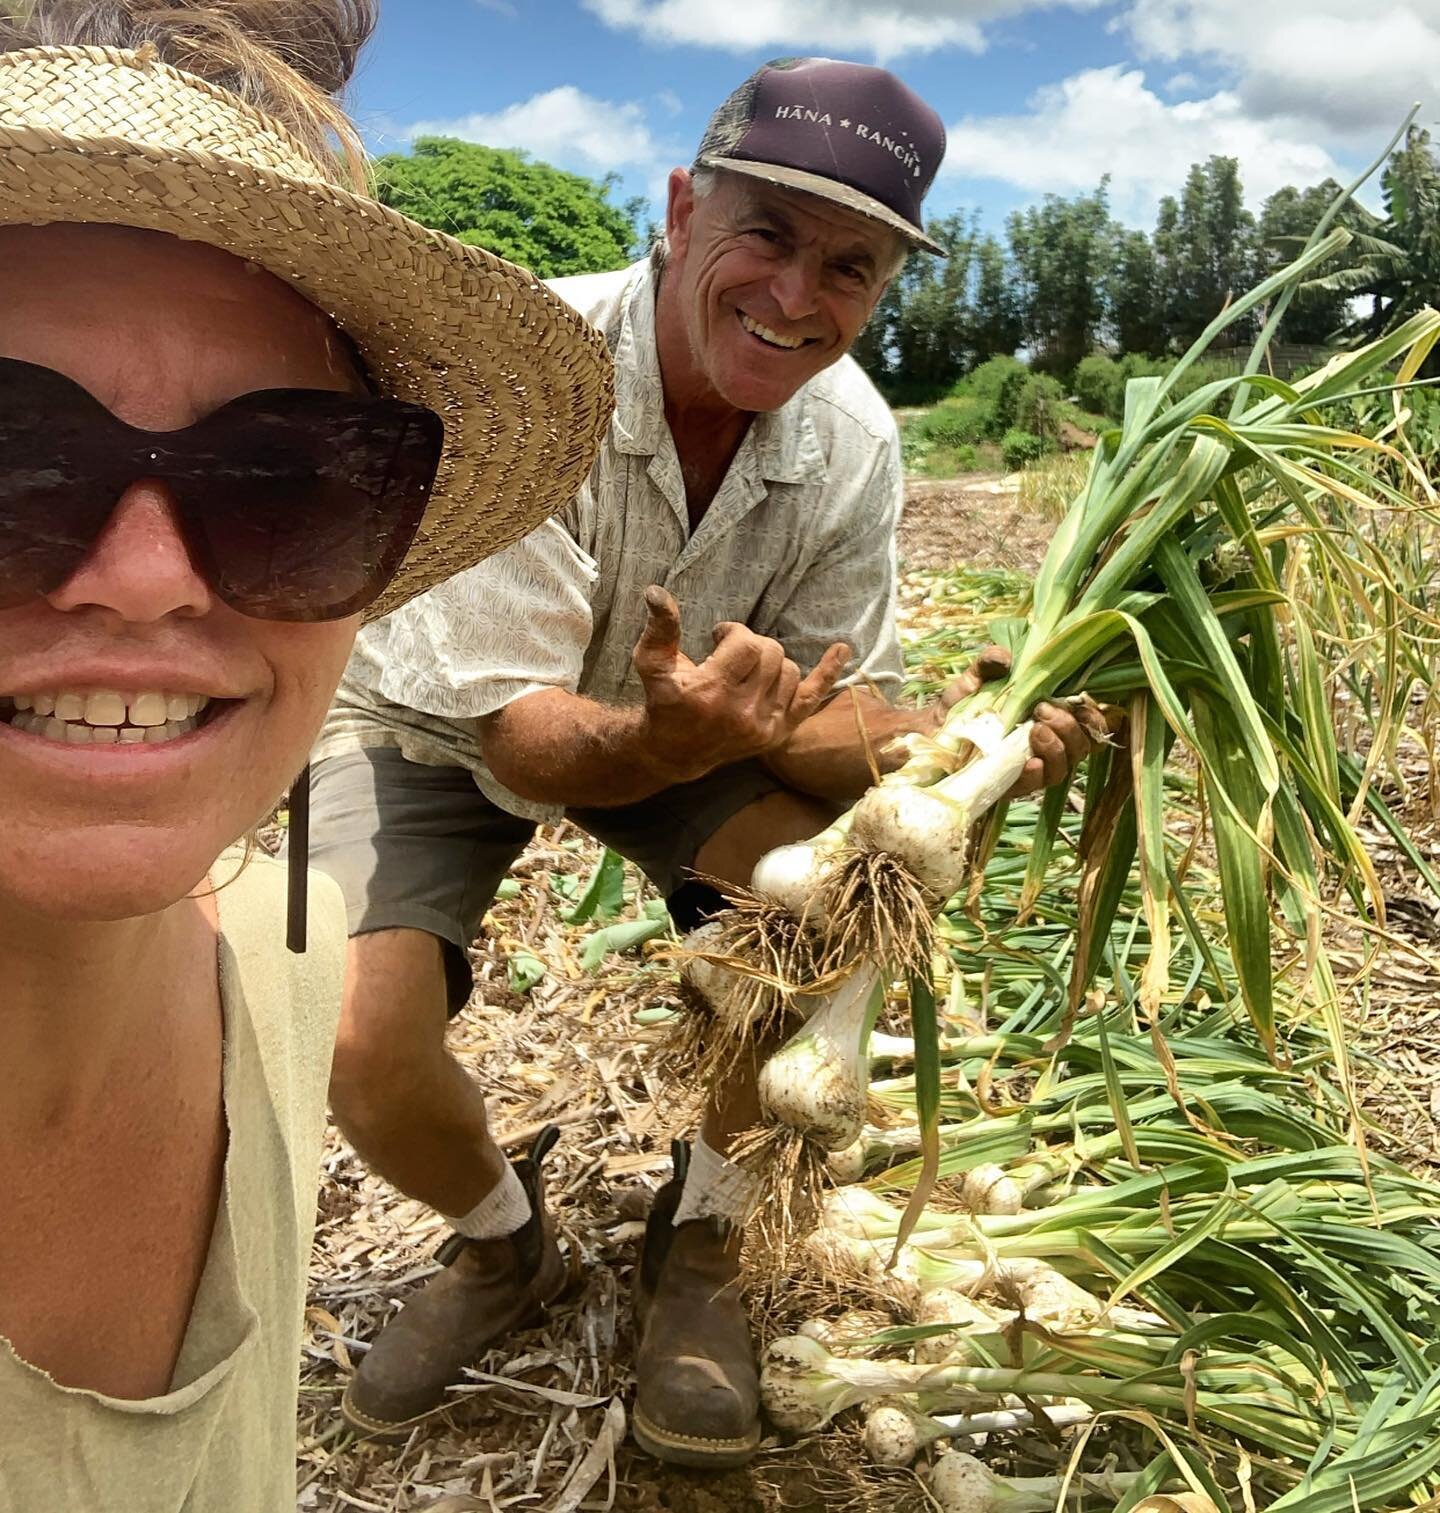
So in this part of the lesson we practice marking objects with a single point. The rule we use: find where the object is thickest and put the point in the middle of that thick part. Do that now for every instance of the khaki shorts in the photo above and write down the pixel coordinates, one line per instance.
(420, 847)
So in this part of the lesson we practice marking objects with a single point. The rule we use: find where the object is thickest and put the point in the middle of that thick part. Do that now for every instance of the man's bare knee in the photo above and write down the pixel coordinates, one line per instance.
(392, 1018)
(777, 819)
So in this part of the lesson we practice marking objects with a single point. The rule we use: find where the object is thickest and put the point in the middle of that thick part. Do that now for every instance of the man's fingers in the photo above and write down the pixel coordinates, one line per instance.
(815, 689)
(786, 684)
(1051, 751)
(741, 655)
(959, 688)
(1073, 735)
(659, 644)
(1093, 721)
(993, 662)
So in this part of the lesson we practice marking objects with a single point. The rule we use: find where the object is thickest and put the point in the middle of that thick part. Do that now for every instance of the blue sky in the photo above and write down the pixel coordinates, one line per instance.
(1039, 95)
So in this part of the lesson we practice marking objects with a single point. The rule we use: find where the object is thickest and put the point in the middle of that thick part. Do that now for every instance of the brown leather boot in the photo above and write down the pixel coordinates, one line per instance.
(698, 1402)
(488, 1289)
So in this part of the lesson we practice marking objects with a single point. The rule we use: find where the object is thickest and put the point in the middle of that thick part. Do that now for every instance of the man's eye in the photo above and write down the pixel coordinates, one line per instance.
(765, 235)
(850, 273)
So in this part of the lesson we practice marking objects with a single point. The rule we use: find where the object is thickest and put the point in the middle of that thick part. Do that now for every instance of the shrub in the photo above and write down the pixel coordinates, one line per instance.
(1039, 405)
(966, 458)
(1197, 375)
(1137, 365)
(1423, 427)
(1099, 381)
(954, 422)
(914, 449)
(995, 385)
(1019, 447)
(1099, 385)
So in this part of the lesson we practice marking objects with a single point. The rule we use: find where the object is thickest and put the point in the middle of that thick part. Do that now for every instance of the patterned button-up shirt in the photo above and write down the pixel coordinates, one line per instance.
(798, 544)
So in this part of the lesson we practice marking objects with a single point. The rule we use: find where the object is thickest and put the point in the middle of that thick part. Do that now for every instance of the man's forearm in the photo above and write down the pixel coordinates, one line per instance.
(559, 748)
(830, 756)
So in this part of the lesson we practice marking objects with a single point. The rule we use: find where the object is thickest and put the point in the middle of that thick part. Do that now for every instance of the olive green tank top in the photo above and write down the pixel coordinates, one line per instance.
(222, 1440)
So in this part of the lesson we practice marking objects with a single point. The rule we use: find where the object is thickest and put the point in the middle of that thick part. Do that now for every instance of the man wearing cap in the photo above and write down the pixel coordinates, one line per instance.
(659, 664)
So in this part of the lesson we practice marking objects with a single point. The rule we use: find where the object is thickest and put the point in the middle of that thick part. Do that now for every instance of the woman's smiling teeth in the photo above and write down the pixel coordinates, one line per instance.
(773, 338)
(106, 718)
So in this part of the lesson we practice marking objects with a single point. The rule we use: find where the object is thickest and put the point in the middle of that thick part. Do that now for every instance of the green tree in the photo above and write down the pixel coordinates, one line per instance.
(874, 348)
(917, 342)
(1207, 247)
(1395, 258)
(932, 331)
(994, 319)
(1286, 221)
(1060, 253)
(1134, 296)
(549, 221)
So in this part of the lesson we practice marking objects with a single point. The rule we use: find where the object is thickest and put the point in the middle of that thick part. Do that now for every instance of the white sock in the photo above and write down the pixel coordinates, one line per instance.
(716, 1188)
(502, 1211)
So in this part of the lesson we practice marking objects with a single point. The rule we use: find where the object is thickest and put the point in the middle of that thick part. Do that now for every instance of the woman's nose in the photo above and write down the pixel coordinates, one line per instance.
(139, 567)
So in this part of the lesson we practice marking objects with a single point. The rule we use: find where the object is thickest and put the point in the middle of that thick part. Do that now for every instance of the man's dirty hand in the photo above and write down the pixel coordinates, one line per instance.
(1063, 734)
(991, 665)
(746, 698)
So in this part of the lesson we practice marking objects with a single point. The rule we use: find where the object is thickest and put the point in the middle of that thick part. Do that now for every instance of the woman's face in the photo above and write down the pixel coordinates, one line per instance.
(162, 332)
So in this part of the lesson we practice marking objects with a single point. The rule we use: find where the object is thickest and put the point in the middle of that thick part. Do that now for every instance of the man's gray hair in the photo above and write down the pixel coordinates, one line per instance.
(703, 180)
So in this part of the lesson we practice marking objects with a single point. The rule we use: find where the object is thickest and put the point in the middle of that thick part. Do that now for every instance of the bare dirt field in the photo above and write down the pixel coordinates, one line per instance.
(978, 520)
(541, 1424)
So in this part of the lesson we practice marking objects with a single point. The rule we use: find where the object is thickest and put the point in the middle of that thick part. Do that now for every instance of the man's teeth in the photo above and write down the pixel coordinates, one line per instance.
(106, 718)
(790, 343)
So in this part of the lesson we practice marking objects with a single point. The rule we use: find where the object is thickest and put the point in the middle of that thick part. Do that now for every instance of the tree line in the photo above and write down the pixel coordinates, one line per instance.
(1064, 281)
(1067, 279)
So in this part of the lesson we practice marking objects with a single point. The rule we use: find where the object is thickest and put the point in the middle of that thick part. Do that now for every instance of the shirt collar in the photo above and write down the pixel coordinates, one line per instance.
(784, 442)
(639, 395)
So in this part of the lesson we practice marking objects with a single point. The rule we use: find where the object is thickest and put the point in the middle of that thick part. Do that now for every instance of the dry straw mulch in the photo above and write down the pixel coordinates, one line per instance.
(541, 1423)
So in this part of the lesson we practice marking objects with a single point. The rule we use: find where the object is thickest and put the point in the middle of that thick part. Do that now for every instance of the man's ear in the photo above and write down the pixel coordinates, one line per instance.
(679, 209)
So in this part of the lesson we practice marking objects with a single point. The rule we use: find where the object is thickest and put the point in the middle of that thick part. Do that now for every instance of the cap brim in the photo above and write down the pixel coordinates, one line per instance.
(828, 189)
(523, 384)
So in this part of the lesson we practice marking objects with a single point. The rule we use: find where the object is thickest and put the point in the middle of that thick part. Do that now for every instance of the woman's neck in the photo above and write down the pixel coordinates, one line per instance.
(83, 1000)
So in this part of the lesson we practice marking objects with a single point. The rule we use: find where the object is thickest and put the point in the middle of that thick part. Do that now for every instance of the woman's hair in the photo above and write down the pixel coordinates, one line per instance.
(287, 58)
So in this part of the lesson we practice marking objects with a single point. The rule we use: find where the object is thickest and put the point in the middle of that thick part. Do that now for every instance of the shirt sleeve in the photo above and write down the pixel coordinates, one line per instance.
(517, 623)
(848, 593)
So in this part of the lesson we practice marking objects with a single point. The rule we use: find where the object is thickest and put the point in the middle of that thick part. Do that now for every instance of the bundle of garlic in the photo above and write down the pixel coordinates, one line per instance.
(1128, 599)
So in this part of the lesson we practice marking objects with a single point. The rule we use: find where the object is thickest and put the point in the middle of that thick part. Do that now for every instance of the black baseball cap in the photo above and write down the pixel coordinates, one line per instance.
(848, 132)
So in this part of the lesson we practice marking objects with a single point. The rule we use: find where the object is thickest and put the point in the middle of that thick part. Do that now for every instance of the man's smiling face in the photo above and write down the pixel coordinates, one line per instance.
(772, 285)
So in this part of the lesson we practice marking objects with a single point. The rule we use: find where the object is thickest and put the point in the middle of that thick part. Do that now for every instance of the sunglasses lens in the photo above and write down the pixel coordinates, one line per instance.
(55, 490)
(316, 521)
(296, 504)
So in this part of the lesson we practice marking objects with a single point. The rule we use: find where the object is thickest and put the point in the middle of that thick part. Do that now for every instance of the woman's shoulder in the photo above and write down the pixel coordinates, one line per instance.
(251, 892)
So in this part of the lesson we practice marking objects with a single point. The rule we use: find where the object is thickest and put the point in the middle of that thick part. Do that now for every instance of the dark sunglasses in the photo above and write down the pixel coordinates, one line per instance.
(295, 504)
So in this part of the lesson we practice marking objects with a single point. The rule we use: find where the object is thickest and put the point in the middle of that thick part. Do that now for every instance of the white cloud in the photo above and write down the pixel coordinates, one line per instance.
(1107, 120)
(564, 126)
(1350, 71)
(883, 29)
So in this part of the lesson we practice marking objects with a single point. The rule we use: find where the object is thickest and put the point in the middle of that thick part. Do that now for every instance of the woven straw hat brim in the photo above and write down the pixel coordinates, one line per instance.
(523, 384)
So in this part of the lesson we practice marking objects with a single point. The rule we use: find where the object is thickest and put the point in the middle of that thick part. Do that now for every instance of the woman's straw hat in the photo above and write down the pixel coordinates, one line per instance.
(521, 382)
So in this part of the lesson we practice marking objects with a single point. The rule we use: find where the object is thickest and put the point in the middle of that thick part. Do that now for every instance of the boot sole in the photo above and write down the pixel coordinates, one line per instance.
(691, 1450)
